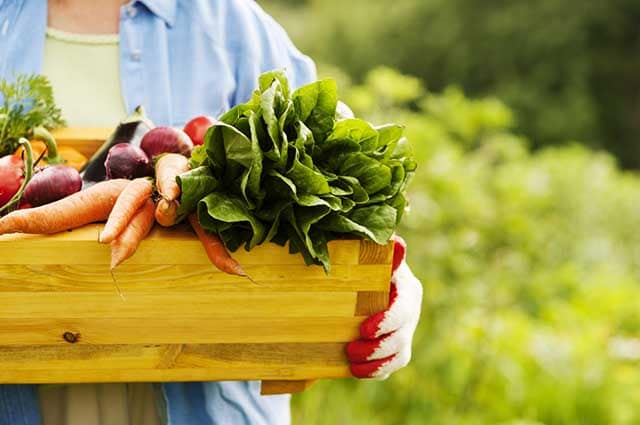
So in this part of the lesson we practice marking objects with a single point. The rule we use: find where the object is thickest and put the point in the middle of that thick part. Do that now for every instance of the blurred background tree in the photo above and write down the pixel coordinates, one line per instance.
(567, 68)
(526, 238)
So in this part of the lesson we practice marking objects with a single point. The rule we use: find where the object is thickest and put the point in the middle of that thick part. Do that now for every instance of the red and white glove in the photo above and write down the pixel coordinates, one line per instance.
(385, 344)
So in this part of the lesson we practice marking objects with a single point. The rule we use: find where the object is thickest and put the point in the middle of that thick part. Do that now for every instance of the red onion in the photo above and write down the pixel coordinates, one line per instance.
(50, 184)
(166, 140)
(125, 161)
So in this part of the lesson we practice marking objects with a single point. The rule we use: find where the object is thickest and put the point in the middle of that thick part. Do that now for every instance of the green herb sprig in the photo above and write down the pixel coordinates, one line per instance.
(27, 103)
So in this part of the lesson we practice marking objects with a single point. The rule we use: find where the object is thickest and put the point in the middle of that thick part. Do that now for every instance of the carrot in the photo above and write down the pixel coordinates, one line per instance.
(215, 249)
(167, 168)
(130, 200)
(166, 212)
(125, 245)
(87, 206)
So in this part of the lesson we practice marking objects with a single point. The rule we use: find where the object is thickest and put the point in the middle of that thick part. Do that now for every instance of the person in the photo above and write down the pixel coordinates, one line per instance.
(180, 59)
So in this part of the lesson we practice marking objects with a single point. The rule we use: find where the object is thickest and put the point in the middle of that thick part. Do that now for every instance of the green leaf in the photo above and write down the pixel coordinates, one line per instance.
(290, 192)
(402, 149)
(234, 115)
(267, 79)
(306, 179)
(376, 222)
(218, 209)
(372, 174)
(355, 130)
(316, 106)
(250, 186)
(399, 203)
(359, 194)
(302, 219)
(195, 185)
(389, 134)
(198, 156)
(267, 104)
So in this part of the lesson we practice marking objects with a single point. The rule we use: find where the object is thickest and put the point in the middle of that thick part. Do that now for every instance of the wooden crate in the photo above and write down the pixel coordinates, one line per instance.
(62, 320)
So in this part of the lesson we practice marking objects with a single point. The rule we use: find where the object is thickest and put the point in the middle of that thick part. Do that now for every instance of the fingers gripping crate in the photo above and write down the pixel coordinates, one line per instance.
(62, 321)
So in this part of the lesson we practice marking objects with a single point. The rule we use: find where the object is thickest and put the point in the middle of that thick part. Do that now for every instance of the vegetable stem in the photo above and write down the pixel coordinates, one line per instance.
(43, 134)
(28, 173)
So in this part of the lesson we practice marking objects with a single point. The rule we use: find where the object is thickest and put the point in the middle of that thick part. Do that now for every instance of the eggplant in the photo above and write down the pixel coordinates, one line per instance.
(130, 130)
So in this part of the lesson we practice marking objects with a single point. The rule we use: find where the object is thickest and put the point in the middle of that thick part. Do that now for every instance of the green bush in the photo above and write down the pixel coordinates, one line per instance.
(568, 67)
(531, 269)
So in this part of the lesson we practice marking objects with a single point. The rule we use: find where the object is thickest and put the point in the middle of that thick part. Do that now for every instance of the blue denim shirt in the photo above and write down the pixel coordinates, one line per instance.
(180, 59)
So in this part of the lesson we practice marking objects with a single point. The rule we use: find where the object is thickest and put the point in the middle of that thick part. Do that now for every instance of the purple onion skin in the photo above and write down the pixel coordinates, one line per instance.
(125, 161)
(166, 140)
(50, 184)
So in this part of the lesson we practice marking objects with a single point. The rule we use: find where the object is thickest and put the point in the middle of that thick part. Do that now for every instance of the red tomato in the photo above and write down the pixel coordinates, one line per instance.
(197, 128)
(11, 176)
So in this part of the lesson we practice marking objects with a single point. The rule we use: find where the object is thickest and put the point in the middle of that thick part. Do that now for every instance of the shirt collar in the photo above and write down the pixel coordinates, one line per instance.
(164, 9)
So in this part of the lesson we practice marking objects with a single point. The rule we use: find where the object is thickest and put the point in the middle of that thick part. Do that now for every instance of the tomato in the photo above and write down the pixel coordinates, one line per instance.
(11, 176)
(197, 128)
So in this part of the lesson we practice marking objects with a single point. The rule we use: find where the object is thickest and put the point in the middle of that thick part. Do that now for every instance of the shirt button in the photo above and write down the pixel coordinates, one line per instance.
(5, 27)
(132, 11)
(136, 56)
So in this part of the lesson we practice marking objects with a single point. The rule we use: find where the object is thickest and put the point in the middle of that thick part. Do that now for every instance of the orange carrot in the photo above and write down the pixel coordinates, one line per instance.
(130, 200)
(166, 212)
(167, 168)
(125, 245)
(78, 209)
(215, 249)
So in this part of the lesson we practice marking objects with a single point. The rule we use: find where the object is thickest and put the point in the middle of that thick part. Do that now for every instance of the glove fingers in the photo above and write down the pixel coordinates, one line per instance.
(363, 350)
(381, 368)
(380, 348)
(369, 369)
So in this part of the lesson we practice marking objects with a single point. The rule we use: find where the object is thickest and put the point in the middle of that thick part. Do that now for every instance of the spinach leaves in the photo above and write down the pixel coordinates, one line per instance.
(283, 168)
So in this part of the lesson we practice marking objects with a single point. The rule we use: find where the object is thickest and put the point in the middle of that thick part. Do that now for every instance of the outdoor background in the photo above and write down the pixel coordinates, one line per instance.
(525, 220)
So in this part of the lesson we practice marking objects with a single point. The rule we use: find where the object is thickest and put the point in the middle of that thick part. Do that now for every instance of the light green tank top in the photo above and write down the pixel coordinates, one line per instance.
(85, 75)
(84, 71)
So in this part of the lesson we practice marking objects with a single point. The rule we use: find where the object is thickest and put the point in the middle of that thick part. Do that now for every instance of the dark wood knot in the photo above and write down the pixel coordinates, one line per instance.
(71, 337)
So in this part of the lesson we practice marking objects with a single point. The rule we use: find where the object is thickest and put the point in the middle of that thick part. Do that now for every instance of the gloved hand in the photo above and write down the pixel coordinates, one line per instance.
(385, 344)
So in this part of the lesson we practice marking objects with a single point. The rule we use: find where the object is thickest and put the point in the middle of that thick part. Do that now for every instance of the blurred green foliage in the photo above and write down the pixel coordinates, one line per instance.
(531, 270)
(568, 68)
(530, 261)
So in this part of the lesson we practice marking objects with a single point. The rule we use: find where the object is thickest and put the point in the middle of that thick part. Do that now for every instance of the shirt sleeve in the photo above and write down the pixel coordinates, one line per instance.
(262, 45)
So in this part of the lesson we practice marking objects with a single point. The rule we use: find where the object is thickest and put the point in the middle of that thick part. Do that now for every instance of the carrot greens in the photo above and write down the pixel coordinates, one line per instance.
(25, 103)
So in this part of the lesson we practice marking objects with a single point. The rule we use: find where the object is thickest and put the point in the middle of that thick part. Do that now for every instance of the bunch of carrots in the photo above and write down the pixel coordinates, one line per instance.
(129, 210)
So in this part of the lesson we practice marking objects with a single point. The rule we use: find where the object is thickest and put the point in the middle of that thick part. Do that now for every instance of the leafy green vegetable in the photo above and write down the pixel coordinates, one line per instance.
(281, 168)
(26, 104)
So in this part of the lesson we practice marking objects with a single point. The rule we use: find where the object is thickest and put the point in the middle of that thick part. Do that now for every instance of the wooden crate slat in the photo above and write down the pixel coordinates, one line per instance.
(285, 387)
(370, 302)
(213, 305)
(107, 363)
(85, 140)
(178, 330)
(173, 356)
(162, 246)
(372, 253)
(190, 278)
(224, 373)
